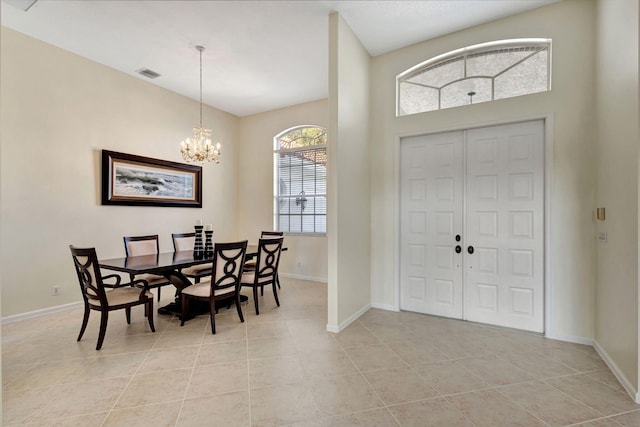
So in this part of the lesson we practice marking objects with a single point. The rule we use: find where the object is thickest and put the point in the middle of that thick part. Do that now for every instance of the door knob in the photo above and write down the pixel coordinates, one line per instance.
(457, 237)
(458, 249)
(470, 249)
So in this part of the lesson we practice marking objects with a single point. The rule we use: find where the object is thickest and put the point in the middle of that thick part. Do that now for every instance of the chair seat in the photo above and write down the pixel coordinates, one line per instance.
(197, 270)
(119, 296)
(249, 265)
(248, 278)
(152, 279)
(203, 290)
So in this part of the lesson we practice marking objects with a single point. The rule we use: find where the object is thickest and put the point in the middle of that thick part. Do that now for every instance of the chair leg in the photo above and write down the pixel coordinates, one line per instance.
(149, 306)
(127, 312)
(185, 309)
(85, 321)
(275, 293)
(255, 299)
(159, 293)
(212, 310)
(278, 280)
(261, 291)
(103, 328)
(238, 307)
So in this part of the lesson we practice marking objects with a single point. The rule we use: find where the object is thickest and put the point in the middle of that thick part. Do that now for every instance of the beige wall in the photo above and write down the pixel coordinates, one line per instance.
(616, 315)
(571, 106)
(307, 256)
(58, 111)
(348, 199)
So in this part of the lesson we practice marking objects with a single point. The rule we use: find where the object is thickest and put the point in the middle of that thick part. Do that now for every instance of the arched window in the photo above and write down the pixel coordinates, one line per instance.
(479, 73)
(300, 180)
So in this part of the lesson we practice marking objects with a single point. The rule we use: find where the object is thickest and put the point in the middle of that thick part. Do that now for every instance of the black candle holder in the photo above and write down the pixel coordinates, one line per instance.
(198, 249)
(208, 244)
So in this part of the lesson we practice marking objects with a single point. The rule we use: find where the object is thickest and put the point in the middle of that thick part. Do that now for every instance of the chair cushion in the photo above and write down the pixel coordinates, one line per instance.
(249, 265)
(203, 290)
(197, 270)
(124, 295)
(249, 276)
(152, 279)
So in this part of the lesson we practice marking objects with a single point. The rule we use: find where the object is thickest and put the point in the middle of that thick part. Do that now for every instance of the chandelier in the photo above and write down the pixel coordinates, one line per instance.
(199, 148)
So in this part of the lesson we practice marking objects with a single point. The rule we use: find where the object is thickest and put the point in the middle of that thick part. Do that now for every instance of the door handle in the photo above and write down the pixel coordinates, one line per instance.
(458, 249)
(470, 249)
(457, 237)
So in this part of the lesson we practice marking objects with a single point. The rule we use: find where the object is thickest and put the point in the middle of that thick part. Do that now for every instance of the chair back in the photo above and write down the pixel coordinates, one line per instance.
(141, 245)
(85, 262)
(228, 259)
(183, 241)
(269, 249)
(272, 234)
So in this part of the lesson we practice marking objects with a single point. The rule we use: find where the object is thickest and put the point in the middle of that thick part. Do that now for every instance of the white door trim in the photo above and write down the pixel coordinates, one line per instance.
(548, 193)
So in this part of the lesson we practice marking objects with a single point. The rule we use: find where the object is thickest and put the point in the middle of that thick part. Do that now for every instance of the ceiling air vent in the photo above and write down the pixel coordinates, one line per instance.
(148, 73)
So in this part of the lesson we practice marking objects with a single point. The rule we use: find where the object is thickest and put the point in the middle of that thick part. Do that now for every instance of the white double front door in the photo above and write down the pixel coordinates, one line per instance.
(472, 232)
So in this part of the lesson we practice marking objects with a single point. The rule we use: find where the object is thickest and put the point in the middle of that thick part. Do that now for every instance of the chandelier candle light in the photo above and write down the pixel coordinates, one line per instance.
(200, 149)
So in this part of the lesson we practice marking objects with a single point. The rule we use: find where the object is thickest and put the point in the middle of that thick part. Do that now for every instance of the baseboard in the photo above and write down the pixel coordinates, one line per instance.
(384, 307)
(300, 277)
(570, 338)
(624, 381)
(337, 328)
(42, 312)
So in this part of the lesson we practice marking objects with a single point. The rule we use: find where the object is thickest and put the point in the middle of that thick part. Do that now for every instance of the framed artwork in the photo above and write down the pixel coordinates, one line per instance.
(142, 181)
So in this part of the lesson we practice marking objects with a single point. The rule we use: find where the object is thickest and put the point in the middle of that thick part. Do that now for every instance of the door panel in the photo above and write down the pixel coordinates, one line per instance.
(504, 211)
(431, 216)
(489, 183)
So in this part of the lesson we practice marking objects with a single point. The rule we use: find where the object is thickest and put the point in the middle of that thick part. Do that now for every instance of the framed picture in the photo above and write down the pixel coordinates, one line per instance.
(142, 181)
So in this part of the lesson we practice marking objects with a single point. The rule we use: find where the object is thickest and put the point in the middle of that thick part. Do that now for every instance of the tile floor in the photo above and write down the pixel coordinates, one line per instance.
(283, 368)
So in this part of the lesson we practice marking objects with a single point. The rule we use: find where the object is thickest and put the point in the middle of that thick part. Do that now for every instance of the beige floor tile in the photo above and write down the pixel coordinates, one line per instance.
(89, 420)
(549, 404)
(427, 413)
(629, 419)
(283, 404)
(179, 339)
(268, 329)
(489, 408)
(400, 385)
(225, 333)
(380, 417)
(224, 352)
(373, 357)
(605, 376)
(119, 365)
(595, 394)
(275, 370)
(230, 409)
(80, 398)
(50, 379)
(327, 363)
(415, 352)
(494, 371)
(156, 387)
(344, 394)
(537, 364)
(168, 359)
(356, 335)
(270, 347)
(159, 415)
(448, 377)
(217, 379)
(22, 405)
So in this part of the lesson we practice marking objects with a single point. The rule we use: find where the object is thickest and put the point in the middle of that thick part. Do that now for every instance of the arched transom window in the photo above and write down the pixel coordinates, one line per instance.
(300, 180)
(474, 74)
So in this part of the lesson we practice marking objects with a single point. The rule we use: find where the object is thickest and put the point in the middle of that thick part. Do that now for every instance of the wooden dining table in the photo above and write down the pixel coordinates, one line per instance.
(169, 265)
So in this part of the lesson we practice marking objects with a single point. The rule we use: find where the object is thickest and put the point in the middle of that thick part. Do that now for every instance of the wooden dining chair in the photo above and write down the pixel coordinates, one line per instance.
(103, 297)
(266, 272)
(226, 270)
(145, 245)
(251, 265)
(186, 242)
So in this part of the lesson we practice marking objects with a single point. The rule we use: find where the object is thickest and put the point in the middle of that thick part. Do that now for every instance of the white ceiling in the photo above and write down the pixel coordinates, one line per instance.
(260, 55)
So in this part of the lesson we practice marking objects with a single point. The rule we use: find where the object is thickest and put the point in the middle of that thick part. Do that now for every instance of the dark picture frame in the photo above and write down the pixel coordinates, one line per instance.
(133, 180)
